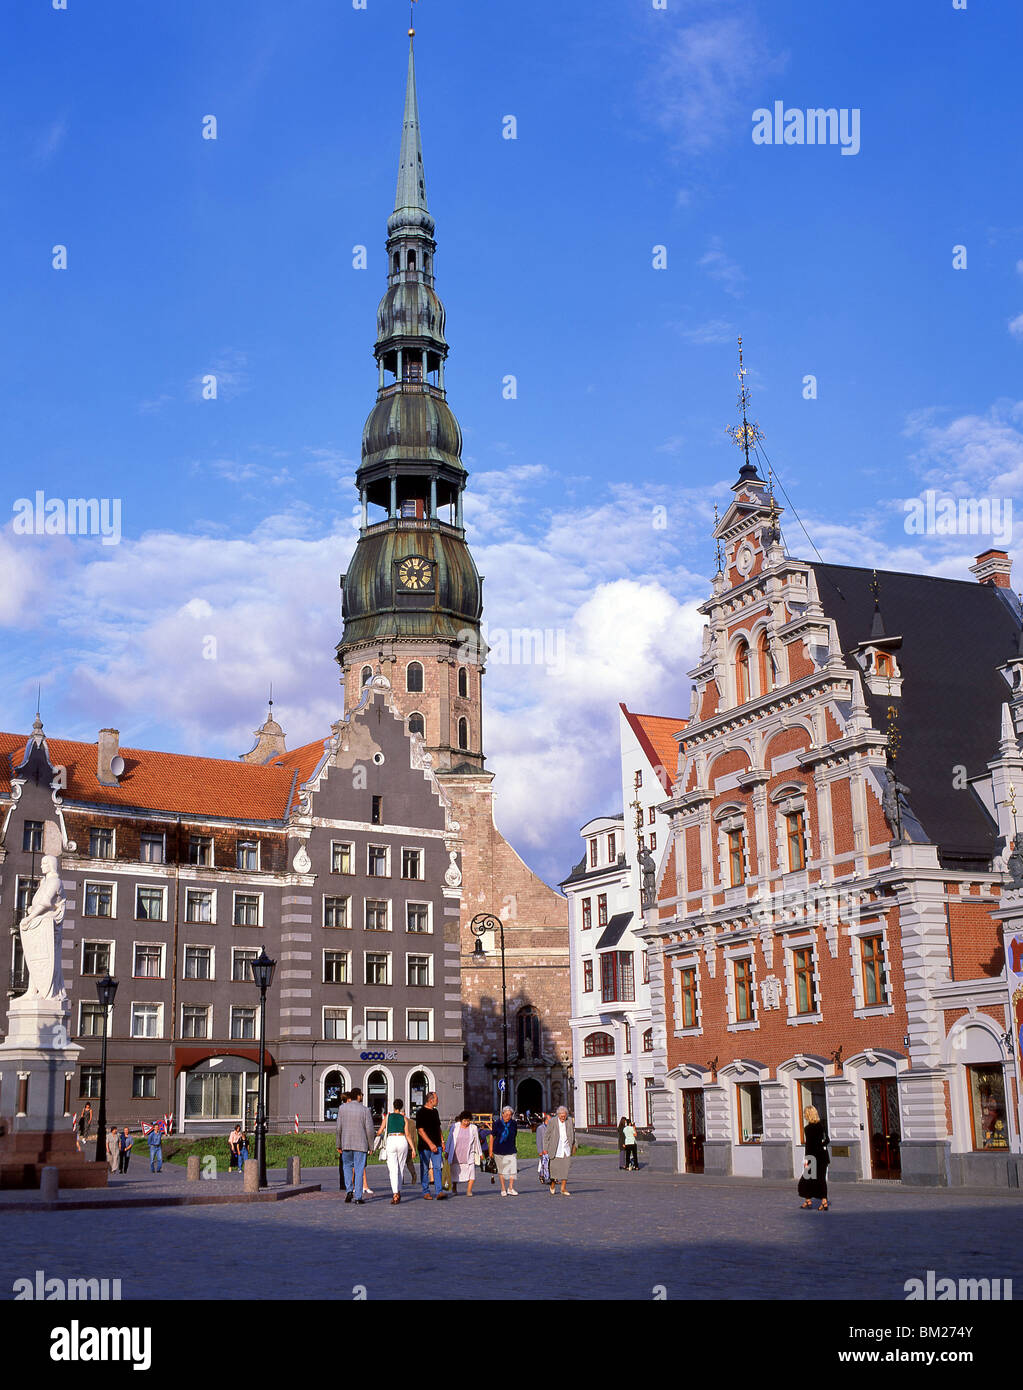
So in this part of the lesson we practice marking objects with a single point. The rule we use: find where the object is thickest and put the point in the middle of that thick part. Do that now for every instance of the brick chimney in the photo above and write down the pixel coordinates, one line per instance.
(993, 567)
(106, 752)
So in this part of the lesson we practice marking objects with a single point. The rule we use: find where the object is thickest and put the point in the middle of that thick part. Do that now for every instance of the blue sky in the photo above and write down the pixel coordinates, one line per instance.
(188, 256)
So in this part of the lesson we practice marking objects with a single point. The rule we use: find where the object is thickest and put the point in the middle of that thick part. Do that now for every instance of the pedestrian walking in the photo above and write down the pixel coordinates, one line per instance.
(541, 1138)
(124, 1147)
(503, 1149)
(399, 1141)
(84, 1125)
(354, 1141)
(814, 1179)
(629, 1147)
(560, 1146)
(622, 1160)
(154, 1138)
(464, 1152)
(431, 1144)
(114, 1149)
(234, 1141)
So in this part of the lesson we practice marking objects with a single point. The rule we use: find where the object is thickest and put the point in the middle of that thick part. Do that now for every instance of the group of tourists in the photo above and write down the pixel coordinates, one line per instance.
(444, 1162)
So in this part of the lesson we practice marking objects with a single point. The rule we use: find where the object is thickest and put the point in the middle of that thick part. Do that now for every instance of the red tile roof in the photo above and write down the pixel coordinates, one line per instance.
(655, 734)
(174, 782)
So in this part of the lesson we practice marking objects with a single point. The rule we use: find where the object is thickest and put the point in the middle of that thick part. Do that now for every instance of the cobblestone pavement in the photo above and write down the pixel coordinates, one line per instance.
(621, 1235)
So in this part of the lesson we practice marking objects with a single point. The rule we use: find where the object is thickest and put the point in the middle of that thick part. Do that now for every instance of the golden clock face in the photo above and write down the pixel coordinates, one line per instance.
(414, 573)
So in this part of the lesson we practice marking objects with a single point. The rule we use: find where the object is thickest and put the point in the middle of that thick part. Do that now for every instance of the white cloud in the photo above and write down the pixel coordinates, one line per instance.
(720, 267)
(1016, 326)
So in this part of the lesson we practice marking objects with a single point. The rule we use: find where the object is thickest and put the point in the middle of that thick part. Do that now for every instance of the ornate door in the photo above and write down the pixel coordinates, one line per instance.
(693, 1126)
(884, 1127)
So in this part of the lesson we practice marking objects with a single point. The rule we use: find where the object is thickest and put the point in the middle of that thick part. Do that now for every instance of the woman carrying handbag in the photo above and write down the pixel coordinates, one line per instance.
(814, 1181)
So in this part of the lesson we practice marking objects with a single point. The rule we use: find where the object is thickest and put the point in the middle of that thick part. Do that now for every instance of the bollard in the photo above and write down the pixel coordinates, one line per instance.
(294, 1170)
(193, 1167)
(250, 1175)
(49, 1183)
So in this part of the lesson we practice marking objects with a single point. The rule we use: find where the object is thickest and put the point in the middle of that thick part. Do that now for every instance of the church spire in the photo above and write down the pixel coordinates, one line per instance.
(410, 206)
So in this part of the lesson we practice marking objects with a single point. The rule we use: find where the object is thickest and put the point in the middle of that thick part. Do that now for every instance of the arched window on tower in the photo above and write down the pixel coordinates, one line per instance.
(463, 733)
(529, 1030)
(426, 261)
(765, 664)
(417, 724)
(397, 262)
(463, 682)
(414, 676)
(742, 673)
(410, 263)
(367, 675)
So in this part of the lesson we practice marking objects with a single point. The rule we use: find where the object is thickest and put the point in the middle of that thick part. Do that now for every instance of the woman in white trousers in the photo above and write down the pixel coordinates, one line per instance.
(399, 1141)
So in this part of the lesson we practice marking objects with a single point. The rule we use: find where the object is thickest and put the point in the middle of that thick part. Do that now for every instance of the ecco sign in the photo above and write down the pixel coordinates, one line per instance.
(378, 1056)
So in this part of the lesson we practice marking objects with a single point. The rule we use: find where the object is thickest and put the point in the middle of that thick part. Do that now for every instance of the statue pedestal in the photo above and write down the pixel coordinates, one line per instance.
(37, 1062)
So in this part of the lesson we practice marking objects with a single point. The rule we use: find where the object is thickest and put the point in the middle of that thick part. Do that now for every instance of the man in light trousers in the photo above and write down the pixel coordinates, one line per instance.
(355, 1135)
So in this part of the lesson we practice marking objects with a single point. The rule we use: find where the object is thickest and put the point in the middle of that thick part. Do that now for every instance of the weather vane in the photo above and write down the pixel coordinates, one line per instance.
(747, 433)
(717, 540)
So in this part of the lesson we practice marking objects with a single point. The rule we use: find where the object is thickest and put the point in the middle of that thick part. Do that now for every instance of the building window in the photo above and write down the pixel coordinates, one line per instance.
(648, 1097)
(377, 861)
(99, 900)
(376, 914)
(89, 1083)
(418, 1025)
(218, 1096)
(148, 962)
(378, 968)
(806, 989)
(143, 1083)
(528, 1026)
(751, 1114)
(367, 671)
(648, 1040)
(598, 1044)
(198, 905)
(96, 958)
(248, 855)
(612, 852)
(587, 977)
(794, 835)
(637, 780)
(640, 844)
(987, 1107)
(653, 841)
(378, 1025)
(617, 982)
(765, 664)
(335, 968)
(340, 857)
(417, 917)
(736, 858)
(151, 849)
(198, 963)
(200, 850)
(417, 724)
(742, 691)
(412, 863)
(101, 844)
(601, 909)
(587, 914)
(414, 677)
(690, 1011)
(241, 964)
(600, 1104)
(90, 1019)
(32, 837)
(418, 970)
(744, 1003)
(25, 893)
(335, 912)
(377, 812)
(150, 904)
(246, 909)
(463, 733)
(145, 1021)
(875, 990)
(335, 1025)
(651, 815)
(593, 853)
(243, 1022)
(463, 682)
(195, 1019)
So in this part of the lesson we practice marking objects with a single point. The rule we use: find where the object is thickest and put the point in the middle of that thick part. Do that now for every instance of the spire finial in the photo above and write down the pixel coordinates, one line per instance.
(410, 209)
(411, 20)
(745, 434)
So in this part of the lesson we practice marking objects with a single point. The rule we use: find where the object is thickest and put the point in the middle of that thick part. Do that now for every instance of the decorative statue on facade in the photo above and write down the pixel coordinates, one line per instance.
(1014, 864)
(649, 890)
(893, 801)
(41, 933)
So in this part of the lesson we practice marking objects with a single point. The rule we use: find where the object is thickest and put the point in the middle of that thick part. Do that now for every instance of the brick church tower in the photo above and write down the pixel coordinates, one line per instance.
(411, 608)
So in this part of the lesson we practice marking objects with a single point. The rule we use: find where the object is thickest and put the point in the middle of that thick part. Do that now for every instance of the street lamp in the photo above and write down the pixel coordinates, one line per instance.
(262, 972)
(628, 1082)
(570, 1086)
(105, 989)
(481, 923)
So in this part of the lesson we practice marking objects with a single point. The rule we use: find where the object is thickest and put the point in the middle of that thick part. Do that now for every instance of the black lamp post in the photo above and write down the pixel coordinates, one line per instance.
(628, 1082)
(570, 1087)
(105, 989)
(262, 972)
(484, 922)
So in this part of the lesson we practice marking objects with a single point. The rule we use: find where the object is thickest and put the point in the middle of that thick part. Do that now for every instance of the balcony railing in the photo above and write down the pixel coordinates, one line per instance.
(412, 523)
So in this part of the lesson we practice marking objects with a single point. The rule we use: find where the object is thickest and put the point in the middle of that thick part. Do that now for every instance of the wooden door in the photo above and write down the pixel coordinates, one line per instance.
(885, 1128)
(693, 1126)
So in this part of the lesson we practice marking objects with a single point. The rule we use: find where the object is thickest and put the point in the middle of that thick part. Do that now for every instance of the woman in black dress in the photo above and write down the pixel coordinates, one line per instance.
(814, 1182)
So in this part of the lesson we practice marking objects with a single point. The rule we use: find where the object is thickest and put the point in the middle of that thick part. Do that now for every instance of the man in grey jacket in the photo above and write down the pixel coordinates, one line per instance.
(355, 1135)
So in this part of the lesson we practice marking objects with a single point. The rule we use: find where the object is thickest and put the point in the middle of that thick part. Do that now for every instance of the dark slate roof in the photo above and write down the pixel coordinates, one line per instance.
(614, 931)
(955, 636)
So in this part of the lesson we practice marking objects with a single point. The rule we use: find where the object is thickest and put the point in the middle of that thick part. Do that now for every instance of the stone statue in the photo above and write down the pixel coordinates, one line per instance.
(1014, 864)
(893, 801)
(649, 891)
(40, 936)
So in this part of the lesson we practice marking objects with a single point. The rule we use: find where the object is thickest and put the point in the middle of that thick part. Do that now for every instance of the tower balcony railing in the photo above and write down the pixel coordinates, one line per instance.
(412, 523)
(415, 388)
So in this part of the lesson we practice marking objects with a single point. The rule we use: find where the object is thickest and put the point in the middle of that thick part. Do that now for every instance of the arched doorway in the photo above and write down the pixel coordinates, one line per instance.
(418, 1090)
(376, 1095)
(333, 1084)
(530, 1096)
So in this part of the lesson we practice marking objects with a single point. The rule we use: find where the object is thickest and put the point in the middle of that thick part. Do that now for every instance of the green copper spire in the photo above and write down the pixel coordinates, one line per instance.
(410, 207)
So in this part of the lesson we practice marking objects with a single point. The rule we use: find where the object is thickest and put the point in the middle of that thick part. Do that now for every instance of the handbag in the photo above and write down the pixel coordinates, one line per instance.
(445, 1174)
(545, 1169)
